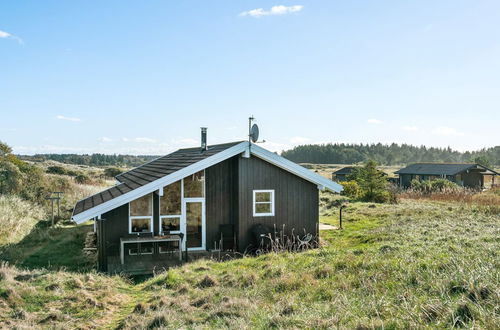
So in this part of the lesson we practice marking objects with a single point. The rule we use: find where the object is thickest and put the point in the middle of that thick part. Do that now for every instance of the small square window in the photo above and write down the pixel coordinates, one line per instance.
(263, 203)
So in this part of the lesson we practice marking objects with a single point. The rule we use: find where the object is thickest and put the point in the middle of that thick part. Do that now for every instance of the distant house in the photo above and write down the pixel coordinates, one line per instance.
(197, 200)
(463, 174)
(344, 172)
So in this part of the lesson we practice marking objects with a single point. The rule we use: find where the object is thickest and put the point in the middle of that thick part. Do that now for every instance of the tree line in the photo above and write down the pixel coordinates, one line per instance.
(387, 154)
(93, 159)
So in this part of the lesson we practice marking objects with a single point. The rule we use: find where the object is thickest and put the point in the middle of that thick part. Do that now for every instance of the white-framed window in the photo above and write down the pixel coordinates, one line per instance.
(170, 208)
(140, 219)
(170, 224)
(263, 203)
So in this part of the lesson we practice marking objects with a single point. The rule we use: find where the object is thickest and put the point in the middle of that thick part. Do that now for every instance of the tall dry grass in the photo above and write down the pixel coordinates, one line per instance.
(488, 200)
(17, 218)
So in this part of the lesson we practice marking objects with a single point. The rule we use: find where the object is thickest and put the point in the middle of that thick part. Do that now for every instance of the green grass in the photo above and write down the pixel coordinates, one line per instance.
(404, 266)
(51, 248)
(417, 264)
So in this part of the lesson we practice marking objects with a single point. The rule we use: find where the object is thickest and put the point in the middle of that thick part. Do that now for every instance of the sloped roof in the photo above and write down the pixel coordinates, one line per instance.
(441, 168)
(345, 170)
(150, 172)
(177, 165)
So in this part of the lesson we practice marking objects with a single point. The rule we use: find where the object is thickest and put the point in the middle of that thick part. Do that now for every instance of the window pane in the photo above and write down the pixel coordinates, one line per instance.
(170, 202)
(141, 225)
(262, 196)
(142, 206)
(263, 208)
(170, 224)
(194, 224)
(194, 185)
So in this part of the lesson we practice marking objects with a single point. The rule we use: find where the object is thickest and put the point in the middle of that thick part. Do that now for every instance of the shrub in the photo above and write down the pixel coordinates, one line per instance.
(373, 183)
(351, 189)
(432, 186)
(56, 170)
(10, 178)
(82, 179)
(112, 171)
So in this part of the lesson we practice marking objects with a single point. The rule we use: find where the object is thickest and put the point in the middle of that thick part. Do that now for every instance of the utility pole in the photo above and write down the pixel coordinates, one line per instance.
(58, 193)
(52, 199)
(58, 199)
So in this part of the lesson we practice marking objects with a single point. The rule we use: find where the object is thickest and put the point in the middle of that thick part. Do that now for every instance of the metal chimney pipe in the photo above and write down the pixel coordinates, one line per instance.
(203, 138)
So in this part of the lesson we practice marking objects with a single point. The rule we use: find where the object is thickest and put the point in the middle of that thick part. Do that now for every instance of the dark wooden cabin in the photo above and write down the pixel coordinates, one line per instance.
(464, 174)
(343, 173)
(197, 200)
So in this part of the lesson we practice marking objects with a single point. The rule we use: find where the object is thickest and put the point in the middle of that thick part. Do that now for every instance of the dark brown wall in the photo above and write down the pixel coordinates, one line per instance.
(221, 202)
(229, 198)
(472, 179)
(116, 226)
(296, 200)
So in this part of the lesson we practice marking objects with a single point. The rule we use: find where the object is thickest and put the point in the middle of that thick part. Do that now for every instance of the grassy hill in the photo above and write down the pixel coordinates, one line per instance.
(415, 264)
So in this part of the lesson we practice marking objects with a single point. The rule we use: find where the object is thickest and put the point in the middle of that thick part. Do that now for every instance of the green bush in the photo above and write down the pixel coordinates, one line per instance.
(82, 179)
(432, 186)
(112, 171)
(351, 189)
(56, 170)
(373, 184)
(10, 178)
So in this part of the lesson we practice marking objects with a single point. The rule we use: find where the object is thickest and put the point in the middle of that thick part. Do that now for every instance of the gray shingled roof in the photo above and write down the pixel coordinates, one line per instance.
(439, 168)
(150, 172)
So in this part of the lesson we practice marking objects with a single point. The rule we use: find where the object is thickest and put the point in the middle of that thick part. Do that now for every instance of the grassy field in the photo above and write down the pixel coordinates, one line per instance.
(417, 264)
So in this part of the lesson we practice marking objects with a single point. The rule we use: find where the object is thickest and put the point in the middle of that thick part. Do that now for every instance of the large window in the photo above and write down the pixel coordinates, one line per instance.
(170, 208)
(263, 203)
(141, 215)
(194, 185)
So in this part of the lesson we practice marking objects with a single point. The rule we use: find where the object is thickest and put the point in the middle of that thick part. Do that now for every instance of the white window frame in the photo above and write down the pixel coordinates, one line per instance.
(160, 227)
(183, 225)
(169, 217)
(255, 214)
(130, 218)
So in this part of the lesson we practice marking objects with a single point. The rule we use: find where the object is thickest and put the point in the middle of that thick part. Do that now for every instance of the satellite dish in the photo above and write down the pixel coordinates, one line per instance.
(254, 133)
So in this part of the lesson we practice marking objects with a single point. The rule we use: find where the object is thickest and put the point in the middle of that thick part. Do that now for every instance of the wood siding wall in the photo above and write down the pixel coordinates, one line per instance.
(229, 200)
(221, 201)
(116, 223)
(296, 200)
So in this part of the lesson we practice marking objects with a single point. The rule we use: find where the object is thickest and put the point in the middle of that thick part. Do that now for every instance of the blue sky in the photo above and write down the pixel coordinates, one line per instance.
(141, 77)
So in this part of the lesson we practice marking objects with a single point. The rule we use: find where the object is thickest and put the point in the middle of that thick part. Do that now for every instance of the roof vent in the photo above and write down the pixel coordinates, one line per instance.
(204, 139)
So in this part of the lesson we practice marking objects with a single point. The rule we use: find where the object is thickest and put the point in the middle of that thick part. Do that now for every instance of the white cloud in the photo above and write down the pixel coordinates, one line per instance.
(374, 121)
(275, 10)
(299, 140)
(144, 140)
(7, 35)
(410, 128)
(139, 140)
(60, 117)
(446, 131)
(105, 139)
